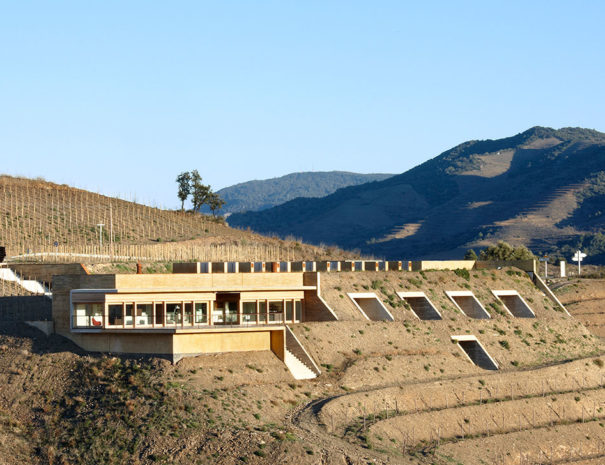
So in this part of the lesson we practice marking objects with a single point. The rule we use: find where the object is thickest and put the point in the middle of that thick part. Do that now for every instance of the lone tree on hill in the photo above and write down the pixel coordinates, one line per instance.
(200, 192)
(504, 251)
(215, 203)
(184, 182)
(190, 184)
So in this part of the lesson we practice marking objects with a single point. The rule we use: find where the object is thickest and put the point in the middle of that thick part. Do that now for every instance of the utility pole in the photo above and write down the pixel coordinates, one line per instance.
(100, 234)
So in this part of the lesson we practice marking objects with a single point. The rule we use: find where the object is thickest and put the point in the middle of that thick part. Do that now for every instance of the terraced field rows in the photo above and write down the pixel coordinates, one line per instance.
(347, 411)
(580, 444)
(491, 418)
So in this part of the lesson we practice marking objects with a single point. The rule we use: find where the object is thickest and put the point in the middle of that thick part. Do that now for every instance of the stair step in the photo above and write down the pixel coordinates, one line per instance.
(298, 369)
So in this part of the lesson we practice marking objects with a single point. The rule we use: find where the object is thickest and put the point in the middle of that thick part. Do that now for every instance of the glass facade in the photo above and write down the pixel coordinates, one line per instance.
(166, 314)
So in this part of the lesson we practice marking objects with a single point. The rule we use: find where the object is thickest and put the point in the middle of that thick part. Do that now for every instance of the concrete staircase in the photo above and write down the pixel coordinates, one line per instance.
(298, 361)
(298, 369)
(30, 285)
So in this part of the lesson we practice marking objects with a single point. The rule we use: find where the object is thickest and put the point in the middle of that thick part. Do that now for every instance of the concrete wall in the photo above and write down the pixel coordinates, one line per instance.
(208, 281)
(442, 265)
(63, 284)
(129, 343)
(25, 308)
(45, 271)
(176, 346)
(207, 343)
(316, 309)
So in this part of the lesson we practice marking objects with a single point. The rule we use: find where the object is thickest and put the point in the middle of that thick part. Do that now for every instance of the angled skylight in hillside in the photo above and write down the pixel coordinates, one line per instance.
(371, 307)
(514, 303)
(475, 352)
(421, 306)
(468, 304)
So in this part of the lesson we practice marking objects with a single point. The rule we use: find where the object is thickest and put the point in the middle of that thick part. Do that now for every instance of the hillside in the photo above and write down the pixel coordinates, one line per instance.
(262, 194)
(544, 188)
(40, 220)
(389, 392)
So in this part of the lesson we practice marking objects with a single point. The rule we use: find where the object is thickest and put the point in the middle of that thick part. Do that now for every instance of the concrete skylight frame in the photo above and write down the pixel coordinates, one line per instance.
(466, 342)
(529, 313)
(387, 316)
(452, 296)
(420, 295)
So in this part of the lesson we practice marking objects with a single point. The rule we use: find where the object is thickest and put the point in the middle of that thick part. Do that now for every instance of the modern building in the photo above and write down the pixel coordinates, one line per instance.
(178, 315)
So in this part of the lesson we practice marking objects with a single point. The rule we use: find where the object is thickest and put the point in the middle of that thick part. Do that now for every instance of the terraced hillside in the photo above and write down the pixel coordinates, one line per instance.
(390, 392)
(542, 188)
(40, 220)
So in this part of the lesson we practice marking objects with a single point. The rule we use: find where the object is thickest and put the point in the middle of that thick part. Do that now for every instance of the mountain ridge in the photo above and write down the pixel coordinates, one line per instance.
(257, 195)
(475, 192)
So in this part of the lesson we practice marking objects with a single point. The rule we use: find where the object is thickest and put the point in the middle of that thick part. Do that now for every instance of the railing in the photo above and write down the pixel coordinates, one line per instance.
(142, 322)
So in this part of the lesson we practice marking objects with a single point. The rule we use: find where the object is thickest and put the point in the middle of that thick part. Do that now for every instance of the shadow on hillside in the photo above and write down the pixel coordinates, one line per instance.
(19, 333)
(22, 336)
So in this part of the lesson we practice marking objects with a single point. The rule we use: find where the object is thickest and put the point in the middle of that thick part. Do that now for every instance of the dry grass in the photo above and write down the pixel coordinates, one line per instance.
(42, 221)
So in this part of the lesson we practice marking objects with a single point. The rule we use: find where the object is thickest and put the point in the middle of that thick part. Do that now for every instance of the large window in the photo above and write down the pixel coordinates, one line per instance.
(262, 312)
(249, 312)
(185, 314)
(276, 311)
(201, 313)
(173, 314)
(116, 314)
(144, 314)
(128, 314)
(88, 315)
(188, 314)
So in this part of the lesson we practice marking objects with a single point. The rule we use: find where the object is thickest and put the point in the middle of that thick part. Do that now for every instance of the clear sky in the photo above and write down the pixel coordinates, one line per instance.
(121, 96)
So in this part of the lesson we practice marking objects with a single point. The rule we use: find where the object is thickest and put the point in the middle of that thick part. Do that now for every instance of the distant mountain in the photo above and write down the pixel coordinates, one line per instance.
(260, 195)
(543, 188)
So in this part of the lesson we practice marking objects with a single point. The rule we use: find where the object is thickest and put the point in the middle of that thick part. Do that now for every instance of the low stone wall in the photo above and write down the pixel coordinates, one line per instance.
(25, 308)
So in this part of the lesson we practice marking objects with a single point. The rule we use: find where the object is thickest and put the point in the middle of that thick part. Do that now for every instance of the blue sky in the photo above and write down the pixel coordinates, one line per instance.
(121, 96)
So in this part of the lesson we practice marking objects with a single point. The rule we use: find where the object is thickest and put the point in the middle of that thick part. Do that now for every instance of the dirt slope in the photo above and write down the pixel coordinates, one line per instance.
(585, 300)
(379, 379)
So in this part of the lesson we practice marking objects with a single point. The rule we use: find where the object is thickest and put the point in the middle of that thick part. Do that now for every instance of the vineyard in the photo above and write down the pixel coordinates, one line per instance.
(42, 221)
